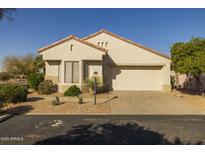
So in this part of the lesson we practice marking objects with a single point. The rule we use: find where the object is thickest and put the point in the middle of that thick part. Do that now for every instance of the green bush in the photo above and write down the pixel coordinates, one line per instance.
(72, 91)
(4, 76)
(35, 79)
(13, 93)
(47, 87)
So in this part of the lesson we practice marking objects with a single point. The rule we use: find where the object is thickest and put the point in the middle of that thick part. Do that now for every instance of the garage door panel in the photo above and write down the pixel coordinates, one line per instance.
(134, 78)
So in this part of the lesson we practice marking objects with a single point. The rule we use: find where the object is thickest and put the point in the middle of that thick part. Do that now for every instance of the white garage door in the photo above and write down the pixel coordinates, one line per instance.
(136, 78)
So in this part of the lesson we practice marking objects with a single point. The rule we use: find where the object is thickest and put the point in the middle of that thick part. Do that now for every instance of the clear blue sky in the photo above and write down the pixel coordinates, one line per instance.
(154, 28)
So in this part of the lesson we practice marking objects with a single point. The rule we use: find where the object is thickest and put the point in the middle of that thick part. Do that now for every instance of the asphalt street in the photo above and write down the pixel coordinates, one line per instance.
(103, 130)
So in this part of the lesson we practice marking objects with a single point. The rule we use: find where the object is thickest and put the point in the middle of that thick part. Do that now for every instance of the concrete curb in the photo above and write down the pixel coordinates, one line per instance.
(5, 116)
(69, 114)
(116, 114)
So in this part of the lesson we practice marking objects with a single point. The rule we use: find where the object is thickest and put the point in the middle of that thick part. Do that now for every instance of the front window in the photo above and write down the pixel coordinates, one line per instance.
(71, 72)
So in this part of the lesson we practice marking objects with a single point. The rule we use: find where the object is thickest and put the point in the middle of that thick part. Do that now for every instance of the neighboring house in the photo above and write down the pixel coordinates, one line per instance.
(121, 64)
(188, 82)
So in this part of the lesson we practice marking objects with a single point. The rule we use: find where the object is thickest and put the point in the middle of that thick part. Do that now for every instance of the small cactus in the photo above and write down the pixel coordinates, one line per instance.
(80, 99)
(55, 101)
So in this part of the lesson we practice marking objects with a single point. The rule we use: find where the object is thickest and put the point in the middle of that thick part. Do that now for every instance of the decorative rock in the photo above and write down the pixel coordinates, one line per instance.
(179, 95)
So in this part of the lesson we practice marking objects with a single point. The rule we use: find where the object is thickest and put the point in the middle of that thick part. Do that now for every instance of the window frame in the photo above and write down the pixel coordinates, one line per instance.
(72, 71)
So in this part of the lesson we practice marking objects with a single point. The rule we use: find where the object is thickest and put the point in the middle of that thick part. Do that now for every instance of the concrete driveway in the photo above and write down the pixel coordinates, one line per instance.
(150, 103)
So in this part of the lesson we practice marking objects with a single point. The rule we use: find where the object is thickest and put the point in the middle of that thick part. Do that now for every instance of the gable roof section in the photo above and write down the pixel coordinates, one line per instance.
(69, 38)
(126, 40)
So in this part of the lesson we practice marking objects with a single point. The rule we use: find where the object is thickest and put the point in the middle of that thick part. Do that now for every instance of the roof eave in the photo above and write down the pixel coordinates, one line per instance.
(69, 38)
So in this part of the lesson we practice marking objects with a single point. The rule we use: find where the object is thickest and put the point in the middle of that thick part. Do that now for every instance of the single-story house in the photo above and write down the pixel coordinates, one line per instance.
(121, 63)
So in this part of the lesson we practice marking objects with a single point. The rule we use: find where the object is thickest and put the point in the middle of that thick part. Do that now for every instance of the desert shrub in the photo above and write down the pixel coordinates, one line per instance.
(34, 80)
(91, 83)
(13, 93)
(47, 87)
(72, 91)
(4, 76)
(99, 85)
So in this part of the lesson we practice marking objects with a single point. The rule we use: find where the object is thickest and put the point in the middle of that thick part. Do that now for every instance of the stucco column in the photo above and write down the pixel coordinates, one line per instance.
(166, 83)
(62, 71)
(80, 73)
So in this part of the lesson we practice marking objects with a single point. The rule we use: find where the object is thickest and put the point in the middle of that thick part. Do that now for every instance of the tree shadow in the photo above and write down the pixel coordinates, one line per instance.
(190, 92)
(110, 134)
(18, 110)
(33, 99)
(177, 141)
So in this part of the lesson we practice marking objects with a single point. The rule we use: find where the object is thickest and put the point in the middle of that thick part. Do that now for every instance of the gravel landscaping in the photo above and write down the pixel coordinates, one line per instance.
(126, 102)
(191, 98)
(42, 104)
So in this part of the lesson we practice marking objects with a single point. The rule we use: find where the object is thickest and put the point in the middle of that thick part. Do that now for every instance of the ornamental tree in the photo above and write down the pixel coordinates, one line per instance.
(189, 58)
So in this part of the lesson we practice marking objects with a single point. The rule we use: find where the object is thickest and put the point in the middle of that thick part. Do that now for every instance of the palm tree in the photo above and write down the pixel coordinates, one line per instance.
(6, 13)
(38, 63)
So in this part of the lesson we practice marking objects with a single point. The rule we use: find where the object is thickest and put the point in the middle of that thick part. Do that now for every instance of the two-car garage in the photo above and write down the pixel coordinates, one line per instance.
(136, 77)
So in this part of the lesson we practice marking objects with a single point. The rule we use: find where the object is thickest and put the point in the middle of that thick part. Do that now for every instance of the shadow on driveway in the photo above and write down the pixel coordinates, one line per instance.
(110, 134)
(109, 100)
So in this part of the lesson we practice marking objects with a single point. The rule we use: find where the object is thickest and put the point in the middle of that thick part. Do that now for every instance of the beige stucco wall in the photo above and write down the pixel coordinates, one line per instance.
(79, 52)
(52, 78)
(94, 66)
(63, 53)
(122, 52)
(52, 70)
(62, 87)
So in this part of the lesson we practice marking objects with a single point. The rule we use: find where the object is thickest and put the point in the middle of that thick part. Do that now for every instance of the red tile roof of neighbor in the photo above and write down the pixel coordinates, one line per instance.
(69, 38)
(126, 40)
